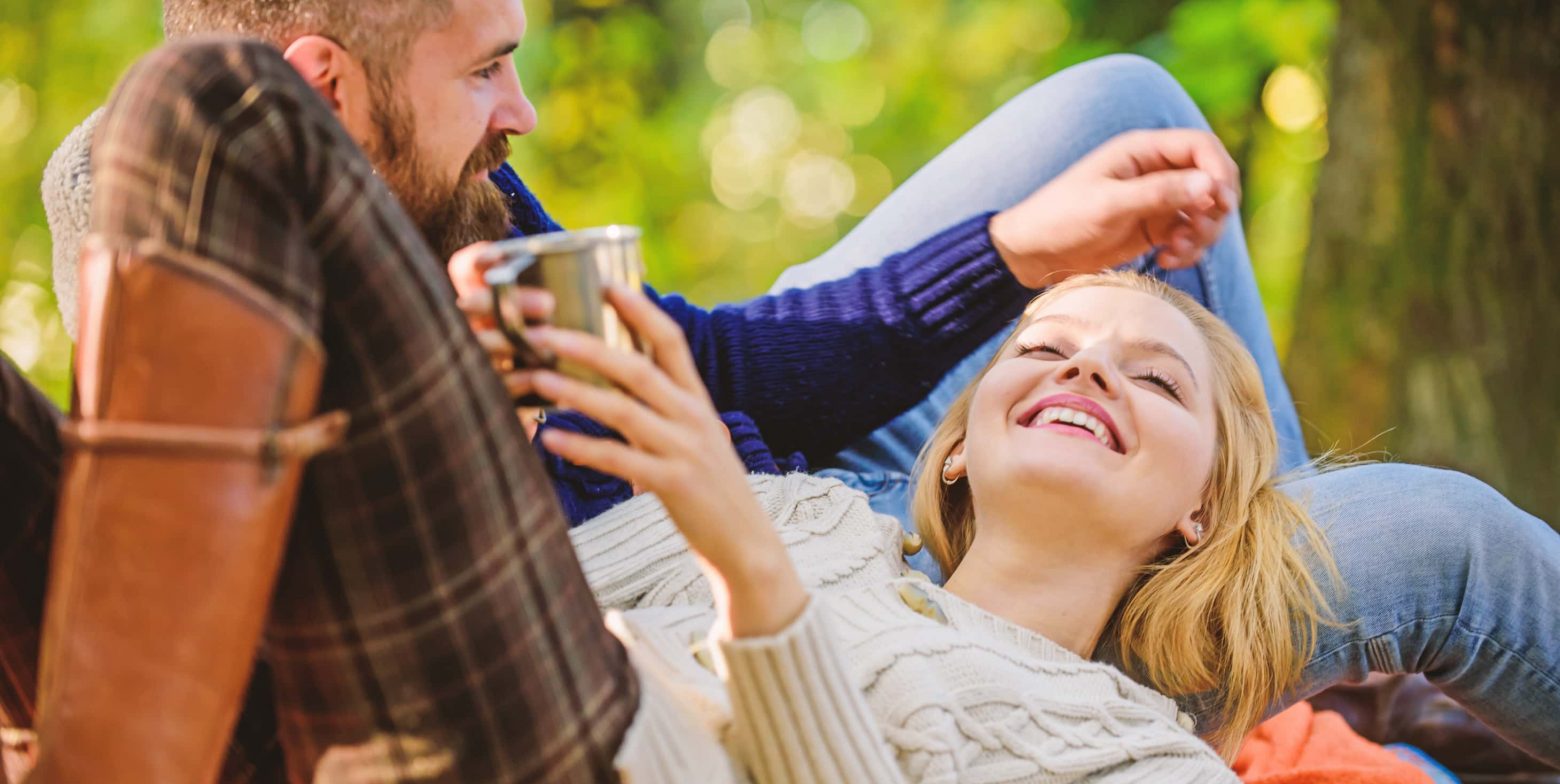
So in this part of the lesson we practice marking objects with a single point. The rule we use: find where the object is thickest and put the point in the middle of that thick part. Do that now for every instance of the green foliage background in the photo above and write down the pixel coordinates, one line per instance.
(744, 135)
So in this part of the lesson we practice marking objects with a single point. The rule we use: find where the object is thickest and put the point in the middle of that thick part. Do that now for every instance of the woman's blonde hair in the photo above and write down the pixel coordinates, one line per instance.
(1235, 615)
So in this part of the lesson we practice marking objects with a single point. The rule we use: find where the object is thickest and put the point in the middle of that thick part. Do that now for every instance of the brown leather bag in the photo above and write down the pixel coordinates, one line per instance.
(196, 394)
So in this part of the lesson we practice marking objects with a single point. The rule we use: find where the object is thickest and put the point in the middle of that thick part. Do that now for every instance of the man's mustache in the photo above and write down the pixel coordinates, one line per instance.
(488, 156)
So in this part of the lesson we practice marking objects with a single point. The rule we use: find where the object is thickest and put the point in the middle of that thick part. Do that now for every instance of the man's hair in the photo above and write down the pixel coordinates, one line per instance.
(377, 33)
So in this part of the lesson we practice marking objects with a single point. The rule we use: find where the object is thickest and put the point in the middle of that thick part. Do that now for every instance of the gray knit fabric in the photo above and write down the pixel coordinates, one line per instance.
(67, 198)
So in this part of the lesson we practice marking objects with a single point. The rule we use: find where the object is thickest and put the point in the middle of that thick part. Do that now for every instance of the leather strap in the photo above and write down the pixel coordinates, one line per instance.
(300, 442)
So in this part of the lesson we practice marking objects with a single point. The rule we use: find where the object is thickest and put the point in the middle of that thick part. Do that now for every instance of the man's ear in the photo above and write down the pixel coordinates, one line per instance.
(335, 74)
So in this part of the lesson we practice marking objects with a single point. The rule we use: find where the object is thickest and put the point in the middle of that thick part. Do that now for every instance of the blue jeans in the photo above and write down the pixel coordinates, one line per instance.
(1444, 576)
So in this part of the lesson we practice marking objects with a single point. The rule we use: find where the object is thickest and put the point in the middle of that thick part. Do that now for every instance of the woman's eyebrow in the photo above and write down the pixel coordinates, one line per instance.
(1148, 345)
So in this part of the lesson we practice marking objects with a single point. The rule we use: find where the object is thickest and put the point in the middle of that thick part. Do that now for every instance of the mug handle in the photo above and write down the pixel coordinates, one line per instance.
(502, 280)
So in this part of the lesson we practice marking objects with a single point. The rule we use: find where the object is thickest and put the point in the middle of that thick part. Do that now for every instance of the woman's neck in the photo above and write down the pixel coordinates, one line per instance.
(1065, 595)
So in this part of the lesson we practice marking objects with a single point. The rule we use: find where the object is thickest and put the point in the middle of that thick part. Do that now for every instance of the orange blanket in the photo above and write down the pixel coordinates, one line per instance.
(1301, 746)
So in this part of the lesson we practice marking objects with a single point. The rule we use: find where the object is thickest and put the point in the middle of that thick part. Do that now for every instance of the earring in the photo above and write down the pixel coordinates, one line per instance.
(1197, 531)
(948, 466)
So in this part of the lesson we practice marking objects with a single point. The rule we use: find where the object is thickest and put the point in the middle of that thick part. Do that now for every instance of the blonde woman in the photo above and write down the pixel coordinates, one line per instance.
(1105, 481)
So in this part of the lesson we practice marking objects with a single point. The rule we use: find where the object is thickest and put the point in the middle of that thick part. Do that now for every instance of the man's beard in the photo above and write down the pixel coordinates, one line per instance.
(450, 215)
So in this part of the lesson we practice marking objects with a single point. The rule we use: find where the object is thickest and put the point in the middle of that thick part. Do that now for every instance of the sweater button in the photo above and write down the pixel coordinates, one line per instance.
(915, 597)
(911, 544)
(701, 654)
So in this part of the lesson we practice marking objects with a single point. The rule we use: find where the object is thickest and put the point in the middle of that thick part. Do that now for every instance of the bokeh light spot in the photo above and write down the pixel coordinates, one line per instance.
(18, 112)
(734, 57)
(1042, 27)
(817, 188)
(1292, 99)
(833, 30)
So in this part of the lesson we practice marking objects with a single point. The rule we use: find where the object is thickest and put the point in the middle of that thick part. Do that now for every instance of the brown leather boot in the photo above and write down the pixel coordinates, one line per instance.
(195, 397)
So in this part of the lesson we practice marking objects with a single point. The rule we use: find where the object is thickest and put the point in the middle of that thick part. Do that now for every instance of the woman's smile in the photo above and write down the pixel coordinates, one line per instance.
(1076, 416)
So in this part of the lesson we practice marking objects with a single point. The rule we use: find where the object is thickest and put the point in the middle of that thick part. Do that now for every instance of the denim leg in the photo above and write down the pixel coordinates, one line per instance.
(1443, 576)
(1019, 147)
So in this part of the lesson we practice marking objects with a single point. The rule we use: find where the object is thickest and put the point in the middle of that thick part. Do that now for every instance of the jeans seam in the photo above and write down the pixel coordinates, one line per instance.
(1210, 291)
(1544, 677)
(1460, 626)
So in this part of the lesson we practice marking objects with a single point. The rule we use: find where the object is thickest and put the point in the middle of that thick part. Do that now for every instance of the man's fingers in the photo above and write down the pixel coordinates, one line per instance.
(495, 344)
(519, 383)
(467, 266)
(477, 303)
(1141, 152)
(1205, 229)
(1163, 195)
(531, 304)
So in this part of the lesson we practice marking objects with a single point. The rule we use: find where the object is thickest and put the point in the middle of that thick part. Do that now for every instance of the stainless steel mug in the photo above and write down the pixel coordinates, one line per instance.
(577, 267)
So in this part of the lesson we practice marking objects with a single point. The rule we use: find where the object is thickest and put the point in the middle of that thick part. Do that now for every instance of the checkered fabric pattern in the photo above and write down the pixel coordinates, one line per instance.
(30, 462)
(431, 622)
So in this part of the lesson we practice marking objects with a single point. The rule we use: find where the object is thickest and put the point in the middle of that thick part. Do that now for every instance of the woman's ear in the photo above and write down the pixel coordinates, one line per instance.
(954, 468)
(1190, 527)
(336, 75)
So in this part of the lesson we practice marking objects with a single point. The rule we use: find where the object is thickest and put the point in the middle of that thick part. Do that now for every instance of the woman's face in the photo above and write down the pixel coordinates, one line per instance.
(1100, 417)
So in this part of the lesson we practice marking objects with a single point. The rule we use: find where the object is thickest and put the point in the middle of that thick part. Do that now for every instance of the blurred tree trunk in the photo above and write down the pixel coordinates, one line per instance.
(1429, 316)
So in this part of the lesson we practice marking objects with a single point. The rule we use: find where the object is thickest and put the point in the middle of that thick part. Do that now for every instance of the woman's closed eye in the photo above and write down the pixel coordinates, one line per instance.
(491, 70)
(1162, 381)
(1152, 376)
(1040, 351)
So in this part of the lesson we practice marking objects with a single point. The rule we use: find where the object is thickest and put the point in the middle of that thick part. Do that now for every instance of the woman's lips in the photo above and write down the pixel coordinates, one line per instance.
(1071, 407)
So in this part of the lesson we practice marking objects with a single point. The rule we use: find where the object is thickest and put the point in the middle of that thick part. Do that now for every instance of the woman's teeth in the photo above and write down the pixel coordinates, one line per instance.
(1072, 416)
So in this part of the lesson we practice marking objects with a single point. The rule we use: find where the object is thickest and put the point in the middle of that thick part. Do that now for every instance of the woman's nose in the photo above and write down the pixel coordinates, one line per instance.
(1089, 369)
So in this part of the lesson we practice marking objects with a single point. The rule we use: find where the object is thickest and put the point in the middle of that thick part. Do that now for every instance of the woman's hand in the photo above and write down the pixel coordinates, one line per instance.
(680, 450)
(1170, 189)
(466, 270)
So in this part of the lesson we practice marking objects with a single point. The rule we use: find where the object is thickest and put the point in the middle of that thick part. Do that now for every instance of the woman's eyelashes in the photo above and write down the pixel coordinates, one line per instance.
(1039, 348)
(1164, 382)
(491, 70)
(1043, 350)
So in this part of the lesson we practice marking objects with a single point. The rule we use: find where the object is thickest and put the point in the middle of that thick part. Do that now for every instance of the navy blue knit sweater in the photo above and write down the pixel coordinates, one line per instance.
(813, 370)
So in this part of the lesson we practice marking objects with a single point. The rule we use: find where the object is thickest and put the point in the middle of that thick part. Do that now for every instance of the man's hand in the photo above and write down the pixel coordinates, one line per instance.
(1170, 189)
(466, 269)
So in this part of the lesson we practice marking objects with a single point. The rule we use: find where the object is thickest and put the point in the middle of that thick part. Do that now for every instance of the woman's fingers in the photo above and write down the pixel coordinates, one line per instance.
(629, 370)
(667, 342)
(604, 455)
(640, 425)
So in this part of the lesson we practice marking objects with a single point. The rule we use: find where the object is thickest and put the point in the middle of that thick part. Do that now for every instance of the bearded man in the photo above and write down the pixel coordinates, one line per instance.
(271, 220)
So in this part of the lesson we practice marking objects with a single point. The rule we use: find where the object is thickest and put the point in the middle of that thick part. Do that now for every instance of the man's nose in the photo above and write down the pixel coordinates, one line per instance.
(514, 115)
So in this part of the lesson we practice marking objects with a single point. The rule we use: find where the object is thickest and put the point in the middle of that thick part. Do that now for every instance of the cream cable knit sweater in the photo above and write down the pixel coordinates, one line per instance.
(884, 678)
(67, 201)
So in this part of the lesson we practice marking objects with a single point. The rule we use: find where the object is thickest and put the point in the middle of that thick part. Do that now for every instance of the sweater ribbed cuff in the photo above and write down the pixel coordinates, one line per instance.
(796, 714)
(956, 281)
